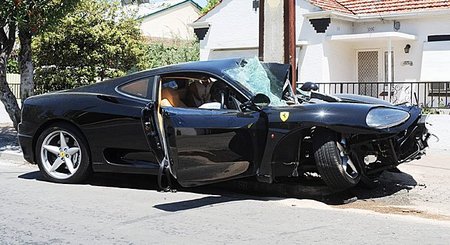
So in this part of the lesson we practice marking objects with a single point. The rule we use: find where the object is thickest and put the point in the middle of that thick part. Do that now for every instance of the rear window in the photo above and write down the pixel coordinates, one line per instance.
(139, 88)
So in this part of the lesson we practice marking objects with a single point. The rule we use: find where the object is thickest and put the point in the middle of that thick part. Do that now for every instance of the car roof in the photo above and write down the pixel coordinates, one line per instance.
(212, 67)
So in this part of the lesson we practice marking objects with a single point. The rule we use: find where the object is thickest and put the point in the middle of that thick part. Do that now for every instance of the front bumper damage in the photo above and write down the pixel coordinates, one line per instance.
(392, 150)
(413, 144)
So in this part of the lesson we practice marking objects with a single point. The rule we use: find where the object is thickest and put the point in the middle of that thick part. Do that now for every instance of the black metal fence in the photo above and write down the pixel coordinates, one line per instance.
(424, 94)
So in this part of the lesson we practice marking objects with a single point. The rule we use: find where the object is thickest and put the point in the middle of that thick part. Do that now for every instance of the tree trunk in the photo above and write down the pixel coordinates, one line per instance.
(7, 96)
(7, 40)
(26, 64)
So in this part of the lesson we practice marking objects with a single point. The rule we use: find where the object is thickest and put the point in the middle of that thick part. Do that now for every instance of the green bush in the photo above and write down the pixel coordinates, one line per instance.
(94, 42)
(210, 5)
(159, 54)
(13, 63)
(99, 41)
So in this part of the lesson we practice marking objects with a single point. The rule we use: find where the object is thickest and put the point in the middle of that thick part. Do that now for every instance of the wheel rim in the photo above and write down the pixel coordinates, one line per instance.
(60, 154)
(347, 163)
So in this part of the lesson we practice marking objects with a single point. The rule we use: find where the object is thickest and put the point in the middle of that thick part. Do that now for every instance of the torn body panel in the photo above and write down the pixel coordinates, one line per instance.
(289, 143)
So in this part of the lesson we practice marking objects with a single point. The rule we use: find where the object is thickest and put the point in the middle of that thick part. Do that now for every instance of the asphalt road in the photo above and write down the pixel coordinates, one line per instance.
(407, 207)
(127, 209)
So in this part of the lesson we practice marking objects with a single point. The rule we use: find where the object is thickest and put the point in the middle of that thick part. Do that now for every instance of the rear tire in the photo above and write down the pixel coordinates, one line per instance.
(333, 163)
(62, 154)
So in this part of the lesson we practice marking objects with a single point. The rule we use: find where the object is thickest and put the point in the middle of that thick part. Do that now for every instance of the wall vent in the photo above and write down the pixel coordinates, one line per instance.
(320, 25)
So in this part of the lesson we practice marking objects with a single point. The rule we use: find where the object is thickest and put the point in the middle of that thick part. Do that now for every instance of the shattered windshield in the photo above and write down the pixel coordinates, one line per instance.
(259, 79)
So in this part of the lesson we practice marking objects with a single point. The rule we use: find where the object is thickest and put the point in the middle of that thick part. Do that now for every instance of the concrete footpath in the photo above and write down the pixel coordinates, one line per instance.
(4, 117)
(9, 146)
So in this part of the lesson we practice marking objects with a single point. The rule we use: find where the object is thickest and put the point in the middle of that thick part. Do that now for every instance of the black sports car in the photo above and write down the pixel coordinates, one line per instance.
(204, 122)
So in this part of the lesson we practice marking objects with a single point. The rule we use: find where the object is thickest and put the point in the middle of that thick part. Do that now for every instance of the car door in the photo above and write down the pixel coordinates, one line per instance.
(152, 122)
(211, 145)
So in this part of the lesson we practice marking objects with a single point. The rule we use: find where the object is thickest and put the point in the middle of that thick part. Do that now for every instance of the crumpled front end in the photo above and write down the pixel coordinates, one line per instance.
(388, 151)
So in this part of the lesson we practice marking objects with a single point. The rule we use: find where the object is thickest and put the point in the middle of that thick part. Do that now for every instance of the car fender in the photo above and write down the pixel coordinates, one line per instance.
(345, 118)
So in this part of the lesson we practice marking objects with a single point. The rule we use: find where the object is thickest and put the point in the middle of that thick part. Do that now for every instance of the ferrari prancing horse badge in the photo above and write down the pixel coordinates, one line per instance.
(284, 115)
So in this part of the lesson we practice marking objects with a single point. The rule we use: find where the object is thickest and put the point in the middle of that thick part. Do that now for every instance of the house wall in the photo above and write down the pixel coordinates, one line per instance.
(233, 24)
(171, 23)
(421, 27)
(320, 60)
(326, 60)
(310, 62)
(229, 31)
(234, 33)
(229, 34)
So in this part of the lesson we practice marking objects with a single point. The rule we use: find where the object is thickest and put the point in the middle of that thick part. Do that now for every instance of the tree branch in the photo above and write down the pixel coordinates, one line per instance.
(12, 37)
(3, 37)
(7, 40)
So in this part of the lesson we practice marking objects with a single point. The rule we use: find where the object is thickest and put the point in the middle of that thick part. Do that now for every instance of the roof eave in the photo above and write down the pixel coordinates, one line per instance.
(330, 14)
(374, 17)
(203, 24)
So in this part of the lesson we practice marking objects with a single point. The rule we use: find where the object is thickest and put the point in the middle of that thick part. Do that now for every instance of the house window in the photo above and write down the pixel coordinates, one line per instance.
(438, 38)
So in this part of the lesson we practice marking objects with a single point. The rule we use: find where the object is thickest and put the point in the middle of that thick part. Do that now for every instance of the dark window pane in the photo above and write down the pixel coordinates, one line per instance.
(138, 88)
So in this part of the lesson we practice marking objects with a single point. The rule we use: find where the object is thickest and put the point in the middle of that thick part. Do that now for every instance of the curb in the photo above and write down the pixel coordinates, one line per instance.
(11, 156)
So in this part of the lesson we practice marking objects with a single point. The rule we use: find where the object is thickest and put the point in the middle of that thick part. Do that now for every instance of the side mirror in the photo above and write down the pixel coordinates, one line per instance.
(309, 86)
(256, 102)
(305, 90)
(260, 100)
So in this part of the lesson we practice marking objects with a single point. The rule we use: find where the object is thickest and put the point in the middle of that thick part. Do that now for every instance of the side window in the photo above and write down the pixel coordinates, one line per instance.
(197, 90)
(140, 88)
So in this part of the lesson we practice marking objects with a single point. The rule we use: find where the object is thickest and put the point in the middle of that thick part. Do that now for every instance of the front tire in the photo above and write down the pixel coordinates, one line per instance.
(334, 164)
(62, 154)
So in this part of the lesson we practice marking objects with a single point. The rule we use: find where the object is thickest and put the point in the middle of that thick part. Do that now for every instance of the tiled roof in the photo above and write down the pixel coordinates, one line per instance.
(330, 5)
(361, 7)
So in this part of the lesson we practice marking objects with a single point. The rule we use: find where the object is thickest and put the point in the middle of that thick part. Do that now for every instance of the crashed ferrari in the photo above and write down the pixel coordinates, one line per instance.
(204, 122)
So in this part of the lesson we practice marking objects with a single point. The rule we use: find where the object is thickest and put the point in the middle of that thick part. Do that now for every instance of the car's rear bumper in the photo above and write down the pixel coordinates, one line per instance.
(26, 143)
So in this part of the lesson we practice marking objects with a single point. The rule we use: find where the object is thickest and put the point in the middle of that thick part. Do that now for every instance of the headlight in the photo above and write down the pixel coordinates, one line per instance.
(385, 117)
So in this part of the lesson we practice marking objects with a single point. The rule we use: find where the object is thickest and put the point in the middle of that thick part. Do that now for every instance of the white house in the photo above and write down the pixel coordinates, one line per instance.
(168, 19)
(344, 41)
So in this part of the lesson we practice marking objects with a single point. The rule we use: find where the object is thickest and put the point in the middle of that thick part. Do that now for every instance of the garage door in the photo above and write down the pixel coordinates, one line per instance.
(435, 61)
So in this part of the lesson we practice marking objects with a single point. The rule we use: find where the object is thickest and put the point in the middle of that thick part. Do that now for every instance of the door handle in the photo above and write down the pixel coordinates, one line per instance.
(148, 126)
(150, 105)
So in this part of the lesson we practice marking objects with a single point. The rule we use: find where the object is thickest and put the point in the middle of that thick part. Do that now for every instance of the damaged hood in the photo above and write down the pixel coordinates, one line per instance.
(353, 98)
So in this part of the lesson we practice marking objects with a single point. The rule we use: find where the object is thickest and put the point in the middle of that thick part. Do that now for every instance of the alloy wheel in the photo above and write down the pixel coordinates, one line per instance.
(60, 154)
(347, 163)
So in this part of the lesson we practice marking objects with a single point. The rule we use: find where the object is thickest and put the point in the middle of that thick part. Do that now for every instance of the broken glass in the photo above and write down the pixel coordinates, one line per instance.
(252, 75)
